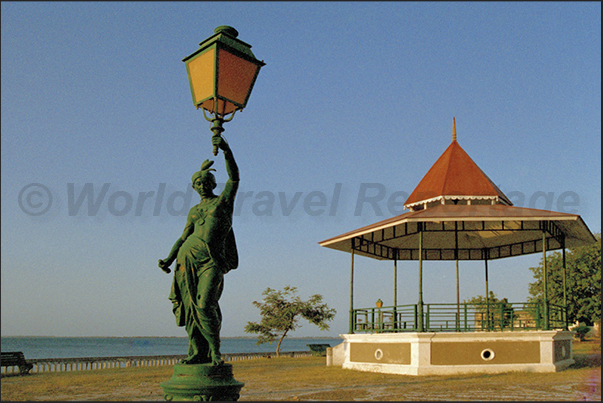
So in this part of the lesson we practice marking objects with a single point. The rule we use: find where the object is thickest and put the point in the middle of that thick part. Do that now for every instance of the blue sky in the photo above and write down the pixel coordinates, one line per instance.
(95, 101)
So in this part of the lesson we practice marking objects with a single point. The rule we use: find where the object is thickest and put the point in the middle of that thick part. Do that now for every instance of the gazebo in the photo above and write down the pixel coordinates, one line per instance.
(457, 213)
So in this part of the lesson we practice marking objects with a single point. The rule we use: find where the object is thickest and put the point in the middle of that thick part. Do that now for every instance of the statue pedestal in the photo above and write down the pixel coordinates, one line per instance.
(202, 382)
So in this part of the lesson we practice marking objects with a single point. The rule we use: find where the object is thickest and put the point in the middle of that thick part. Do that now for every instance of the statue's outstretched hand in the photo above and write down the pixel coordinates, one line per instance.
(219, 142)
(165, 266)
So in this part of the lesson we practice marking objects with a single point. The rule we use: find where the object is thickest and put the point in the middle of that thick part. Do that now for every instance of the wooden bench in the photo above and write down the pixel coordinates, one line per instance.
(16, 359)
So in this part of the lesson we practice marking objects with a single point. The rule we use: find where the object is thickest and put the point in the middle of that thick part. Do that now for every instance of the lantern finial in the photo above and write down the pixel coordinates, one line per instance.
(226, 29)
(453, 130)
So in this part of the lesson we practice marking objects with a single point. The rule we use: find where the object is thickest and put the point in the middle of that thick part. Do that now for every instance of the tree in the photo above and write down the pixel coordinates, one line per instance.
(480, 300)
(583, 284)
(281, 311)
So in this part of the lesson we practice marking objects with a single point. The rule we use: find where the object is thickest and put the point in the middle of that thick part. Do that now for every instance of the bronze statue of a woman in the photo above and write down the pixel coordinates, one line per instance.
(204, 253)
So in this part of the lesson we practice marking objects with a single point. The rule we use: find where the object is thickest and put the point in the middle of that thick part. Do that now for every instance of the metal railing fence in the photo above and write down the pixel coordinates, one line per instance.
(95, 363)
(463, 317)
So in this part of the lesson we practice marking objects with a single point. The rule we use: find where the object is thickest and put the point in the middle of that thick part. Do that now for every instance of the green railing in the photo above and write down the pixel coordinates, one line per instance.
(465, 317)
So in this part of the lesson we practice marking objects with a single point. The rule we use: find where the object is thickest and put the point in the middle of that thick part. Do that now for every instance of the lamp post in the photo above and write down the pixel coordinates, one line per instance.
(221, 75)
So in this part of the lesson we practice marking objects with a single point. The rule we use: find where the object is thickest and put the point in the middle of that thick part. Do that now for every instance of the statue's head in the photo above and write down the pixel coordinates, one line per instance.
(204, 181)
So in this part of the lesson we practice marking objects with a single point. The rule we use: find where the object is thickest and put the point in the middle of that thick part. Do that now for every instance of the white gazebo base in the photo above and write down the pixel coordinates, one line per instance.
(455, 353)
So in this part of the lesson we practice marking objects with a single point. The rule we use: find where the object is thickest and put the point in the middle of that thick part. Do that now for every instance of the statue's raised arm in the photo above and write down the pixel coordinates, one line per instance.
(231, 166)
(232, 185)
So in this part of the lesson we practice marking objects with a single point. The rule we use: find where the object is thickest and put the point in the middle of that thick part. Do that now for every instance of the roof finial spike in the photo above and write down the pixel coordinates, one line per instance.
(453, 129)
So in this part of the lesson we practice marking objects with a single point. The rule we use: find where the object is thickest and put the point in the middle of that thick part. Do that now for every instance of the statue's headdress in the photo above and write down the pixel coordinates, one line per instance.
(205, 171)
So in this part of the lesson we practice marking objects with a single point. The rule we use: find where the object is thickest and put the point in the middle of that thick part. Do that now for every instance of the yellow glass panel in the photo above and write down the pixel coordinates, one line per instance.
(225, 107)
(202, 75)
(222, 107)
(208, 105)
(235, 77)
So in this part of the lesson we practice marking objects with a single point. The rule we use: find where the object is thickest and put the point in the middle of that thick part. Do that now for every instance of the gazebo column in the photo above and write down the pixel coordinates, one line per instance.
(458, 300)
(564, 282)
(458, 294)
(544, 282)
(487, 290)
(420, 323)
(352, 289)
(395, 318)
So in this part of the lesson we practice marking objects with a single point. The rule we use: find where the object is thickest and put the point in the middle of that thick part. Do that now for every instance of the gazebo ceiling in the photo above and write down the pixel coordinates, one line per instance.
(465, 232)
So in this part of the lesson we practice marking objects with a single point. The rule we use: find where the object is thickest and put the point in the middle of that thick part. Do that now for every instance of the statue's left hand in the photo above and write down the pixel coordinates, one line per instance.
(165, 266)
(219, 142)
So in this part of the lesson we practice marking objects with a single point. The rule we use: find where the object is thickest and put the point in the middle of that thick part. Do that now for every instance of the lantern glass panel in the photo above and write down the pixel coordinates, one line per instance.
(235, 78)
(202, 76)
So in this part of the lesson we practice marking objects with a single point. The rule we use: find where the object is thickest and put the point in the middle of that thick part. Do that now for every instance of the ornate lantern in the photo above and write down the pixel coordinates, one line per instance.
(221, 74)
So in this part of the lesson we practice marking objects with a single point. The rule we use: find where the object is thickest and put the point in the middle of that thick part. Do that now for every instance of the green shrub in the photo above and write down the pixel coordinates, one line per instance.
(581, 331)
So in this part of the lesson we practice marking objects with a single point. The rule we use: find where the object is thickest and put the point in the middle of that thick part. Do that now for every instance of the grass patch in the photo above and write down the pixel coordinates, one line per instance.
(307, 378)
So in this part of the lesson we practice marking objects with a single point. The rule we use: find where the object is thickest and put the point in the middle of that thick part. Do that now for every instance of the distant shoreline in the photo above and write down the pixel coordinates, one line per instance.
(160, 337)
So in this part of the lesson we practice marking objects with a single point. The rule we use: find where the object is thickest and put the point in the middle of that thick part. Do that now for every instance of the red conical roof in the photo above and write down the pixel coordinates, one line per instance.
(455, 174)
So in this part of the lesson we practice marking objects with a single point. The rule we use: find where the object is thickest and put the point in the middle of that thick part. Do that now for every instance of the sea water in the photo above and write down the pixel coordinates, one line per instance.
(76, 347)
